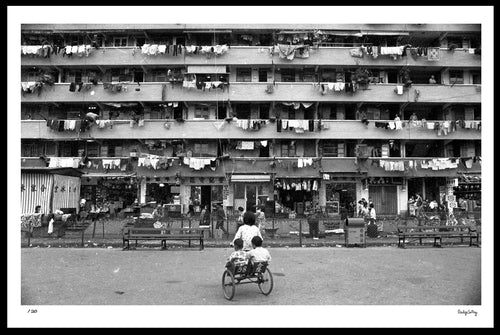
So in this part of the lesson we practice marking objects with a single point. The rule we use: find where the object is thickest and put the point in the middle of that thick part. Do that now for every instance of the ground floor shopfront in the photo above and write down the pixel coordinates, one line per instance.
(279, 196)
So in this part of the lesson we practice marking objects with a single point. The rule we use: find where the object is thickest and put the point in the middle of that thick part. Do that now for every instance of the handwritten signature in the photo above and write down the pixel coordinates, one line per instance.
(467, 312)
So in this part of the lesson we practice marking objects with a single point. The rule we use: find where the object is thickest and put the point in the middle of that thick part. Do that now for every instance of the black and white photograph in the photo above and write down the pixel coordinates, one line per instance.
(250, 166)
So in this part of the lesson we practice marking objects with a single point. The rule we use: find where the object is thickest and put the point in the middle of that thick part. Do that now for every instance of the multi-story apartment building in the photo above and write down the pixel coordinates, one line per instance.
(283, 116)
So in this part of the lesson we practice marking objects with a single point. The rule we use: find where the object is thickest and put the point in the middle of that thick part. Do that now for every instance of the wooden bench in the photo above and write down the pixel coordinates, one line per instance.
(162, 234)
(437, 233)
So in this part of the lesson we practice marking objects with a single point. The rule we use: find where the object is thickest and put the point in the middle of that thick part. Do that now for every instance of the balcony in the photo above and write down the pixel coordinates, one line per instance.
(251, 92)
(250, 55)
(209, 129)
(280, 167)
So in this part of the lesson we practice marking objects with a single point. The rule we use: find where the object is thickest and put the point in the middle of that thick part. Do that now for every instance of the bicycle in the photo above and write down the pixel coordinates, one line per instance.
(424, 219)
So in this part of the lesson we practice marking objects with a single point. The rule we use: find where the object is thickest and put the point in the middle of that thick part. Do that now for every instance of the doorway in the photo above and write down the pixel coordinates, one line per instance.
(251, 197)
(385, 198)
(206, 196)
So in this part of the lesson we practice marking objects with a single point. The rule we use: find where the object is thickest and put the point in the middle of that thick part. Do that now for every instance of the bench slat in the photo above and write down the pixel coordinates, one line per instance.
(165, 237)
(162, 234)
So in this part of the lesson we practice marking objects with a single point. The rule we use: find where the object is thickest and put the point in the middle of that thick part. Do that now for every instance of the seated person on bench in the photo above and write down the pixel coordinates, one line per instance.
(238, 257)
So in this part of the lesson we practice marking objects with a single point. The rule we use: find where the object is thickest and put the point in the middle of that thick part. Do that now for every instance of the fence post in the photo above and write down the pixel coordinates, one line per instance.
(211, 226)
(29, 233)
(300, 232)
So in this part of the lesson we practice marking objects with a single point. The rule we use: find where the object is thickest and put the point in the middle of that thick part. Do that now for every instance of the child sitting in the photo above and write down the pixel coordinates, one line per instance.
(258, 253)
(238, 256)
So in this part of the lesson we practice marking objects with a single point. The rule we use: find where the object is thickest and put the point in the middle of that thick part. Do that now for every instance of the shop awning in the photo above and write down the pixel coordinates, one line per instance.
(355, 33)
(385, 33)
(108, 175)
(250, 178)
(65, 171)
(208, 69)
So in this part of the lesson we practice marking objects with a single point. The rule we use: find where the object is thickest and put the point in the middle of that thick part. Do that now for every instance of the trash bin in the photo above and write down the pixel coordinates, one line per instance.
(355, 232)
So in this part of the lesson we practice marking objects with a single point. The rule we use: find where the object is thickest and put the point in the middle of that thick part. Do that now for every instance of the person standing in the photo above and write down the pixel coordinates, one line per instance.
(313, 222)
(261, 220)
(418, 206)
(205, 221)
(220, 216)
(239, 220)
(205, 216)
(190, 212)
(365, 212)
(411, 206)
(372, 229)
(372, 215)
(432, 80)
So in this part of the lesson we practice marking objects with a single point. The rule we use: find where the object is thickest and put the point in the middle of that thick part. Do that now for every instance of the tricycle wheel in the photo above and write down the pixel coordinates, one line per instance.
(266, 282)
(228, 285)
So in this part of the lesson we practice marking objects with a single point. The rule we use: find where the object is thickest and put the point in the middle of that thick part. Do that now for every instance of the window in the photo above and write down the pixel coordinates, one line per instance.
(73, 77)
(121, 75)
(476, 78)
(265, 39)
(92, 149)
(30, 150)
(330, 149)
(288, 75)
(456, 41)
(328, 75)
(30, 112)
(50, 149)
(263, 75)
(140, 41)
(200, 149)
(264, 111)
(288, 150)
(120, 41)
(202, 39)
(138, 76)
(179, 40)
(456, 77)
(217, 194)
(243, 74)
(239, 191)
(159, 76)
(201, 112)
(32, 76)
(243, 111)
(309, 75)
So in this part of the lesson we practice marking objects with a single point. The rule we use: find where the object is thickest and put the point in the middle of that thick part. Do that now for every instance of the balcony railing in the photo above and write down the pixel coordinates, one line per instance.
(244, 55)
(215, 129)
(250, 92)
(281, 167)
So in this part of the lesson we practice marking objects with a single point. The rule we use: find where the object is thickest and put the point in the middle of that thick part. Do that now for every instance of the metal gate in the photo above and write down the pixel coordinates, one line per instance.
(385, 198)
